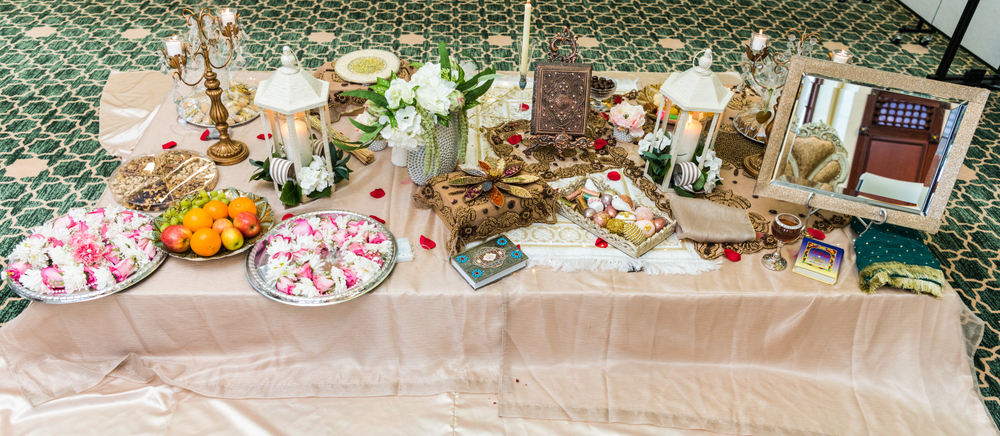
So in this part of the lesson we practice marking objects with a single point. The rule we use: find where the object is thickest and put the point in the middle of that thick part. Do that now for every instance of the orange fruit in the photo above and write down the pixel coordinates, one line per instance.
(197, 219)
(241, 204)
(216, 209)
(206, 242)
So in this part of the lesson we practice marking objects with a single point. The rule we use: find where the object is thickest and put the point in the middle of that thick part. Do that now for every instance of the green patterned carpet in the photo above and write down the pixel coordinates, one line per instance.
(56, 56)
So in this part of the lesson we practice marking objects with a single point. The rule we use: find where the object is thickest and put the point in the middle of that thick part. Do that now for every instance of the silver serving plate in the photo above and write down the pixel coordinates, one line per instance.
(78, 297)
(256, 259)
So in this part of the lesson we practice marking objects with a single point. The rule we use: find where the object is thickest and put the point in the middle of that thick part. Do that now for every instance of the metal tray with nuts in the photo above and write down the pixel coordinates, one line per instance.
(154, 182)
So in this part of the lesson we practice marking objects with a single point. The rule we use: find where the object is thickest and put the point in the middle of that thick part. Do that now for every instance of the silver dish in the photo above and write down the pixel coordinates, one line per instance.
(78, 297)
(255, 260)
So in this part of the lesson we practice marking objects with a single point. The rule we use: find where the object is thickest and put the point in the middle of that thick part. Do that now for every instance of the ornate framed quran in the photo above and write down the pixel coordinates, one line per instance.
(561, 99)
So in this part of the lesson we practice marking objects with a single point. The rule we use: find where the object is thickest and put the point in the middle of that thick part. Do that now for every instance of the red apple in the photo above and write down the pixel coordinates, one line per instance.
(221, 224)
(232, 239)
(247, 223)
(176, 238)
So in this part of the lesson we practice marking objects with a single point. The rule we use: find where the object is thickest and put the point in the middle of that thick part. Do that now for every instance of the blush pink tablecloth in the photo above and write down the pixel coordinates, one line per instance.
(740, 350)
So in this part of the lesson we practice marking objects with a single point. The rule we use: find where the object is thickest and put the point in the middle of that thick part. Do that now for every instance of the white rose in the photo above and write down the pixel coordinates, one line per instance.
(400, 91)
(429, 74)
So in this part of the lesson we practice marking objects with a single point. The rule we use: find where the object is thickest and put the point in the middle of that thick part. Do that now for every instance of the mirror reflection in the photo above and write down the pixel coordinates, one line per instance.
(873, 144)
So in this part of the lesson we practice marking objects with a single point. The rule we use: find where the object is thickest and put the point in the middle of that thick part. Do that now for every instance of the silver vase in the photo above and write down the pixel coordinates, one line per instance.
(448, 143)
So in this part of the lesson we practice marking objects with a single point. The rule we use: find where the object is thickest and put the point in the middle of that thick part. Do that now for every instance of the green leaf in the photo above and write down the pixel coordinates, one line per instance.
(341, 145)
(478, 92)
(379, 89)
(382, 82)
(484, 75)
(700, 183)
(443, 53)
(416, 64)
(471, 105)
(320, 194)
(364, 127)
(291, 194)
(443, 121)
(392, 121)
(682, 192)
(264, 171)
(462, 53)
(377, 98)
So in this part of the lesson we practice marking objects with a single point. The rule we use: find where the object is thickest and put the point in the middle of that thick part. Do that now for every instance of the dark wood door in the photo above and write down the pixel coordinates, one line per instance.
(898, 139)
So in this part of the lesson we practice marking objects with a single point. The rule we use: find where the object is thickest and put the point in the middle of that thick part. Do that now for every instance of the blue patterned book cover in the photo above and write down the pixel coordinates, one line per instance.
(490, 261)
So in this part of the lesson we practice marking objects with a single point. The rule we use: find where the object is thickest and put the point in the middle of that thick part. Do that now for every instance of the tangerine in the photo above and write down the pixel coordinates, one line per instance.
(217, 209)
(197, 219)
(206, 242)
(241, 204)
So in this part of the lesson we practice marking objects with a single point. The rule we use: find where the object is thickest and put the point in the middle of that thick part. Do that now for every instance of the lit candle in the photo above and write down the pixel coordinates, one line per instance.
(524, 39)
(689, 139)
(174, 45)
(228, 16)
(759, 41)
(842, 56)
(301, 142)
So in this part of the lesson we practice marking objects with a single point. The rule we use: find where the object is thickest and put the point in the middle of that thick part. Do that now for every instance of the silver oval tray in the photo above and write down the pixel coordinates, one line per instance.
(78, 297)
(255, 259)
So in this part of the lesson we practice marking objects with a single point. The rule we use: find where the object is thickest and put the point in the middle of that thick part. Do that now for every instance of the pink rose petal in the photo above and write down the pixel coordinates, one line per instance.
(377, 218)
(170, 144)
(262, 137)
(204, 135)
(599, 144)
(732, 255)
(287, 216)
(378, 193)
(816, 234)
(514, 139)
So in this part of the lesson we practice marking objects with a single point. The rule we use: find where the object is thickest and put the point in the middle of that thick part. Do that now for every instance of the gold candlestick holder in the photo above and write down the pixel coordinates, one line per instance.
(226, 151)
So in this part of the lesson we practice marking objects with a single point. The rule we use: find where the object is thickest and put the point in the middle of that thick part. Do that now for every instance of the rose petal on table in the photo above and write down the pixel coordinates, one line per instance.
(426, 243)
(760, 235)
(733, 255)
(816, 234)
(377, 218)
(523, 107)
(287, 216)
(170, 144)
(514, 139)
(599, 144)
(614, 176)
(204, 135)
(618, 99)
(406, 181)
(262, 137)
(378, 193)
(600, 243)
(606, 117)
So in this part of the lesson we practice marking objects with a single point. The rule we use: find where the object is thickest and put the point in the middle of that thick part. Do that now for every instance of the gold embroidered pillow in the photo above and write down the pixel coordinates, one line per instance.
(479, 219)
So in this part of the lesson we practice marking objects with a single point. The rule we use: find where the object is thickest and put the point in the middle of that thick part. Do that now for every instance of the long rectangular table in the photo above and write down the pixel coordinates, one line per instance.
(739, 350)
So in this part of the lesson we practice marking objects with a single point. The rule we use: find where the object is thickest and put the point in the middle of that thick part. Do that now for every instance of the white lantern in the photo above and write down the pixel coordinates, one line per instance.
(701, 99)
(287, 98)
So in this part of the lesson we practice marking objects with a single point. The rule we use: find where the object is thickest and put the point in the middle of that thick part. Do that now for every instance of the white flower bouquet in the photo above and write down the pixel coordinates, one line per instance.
(405, 113)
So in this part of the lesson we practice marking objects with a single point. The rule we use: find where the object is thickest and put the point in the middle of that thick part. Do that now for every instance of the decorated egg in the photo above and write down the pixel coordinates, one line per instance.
(660, 222)
(625, 215)
(595, 203)
(601, 219)
(589, 213)
(606, 199)
(620, 204)
(632, 232)
(610, 211)
(646, 226)
(643, 213)
(628, 200)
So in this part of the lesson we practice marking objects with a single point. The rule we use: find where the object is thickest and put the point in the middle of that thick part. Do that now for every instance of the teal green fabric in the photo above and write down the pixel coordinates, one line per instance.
(889, 255)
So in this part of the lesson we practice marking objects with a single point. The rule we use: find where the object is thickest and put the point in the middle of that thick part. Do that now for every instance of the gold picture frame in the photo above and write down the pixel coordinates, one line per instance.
(928, 217)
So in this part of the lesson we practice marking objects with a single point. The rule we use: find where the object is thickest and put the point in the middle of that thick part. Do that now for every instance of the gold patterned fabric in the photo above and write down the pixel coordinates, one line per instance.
(480, 219)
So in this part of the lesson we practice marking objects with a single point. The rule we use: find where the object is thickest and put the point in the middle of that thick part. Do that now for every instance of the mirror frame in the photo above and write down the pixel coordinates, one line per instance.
(930, 220)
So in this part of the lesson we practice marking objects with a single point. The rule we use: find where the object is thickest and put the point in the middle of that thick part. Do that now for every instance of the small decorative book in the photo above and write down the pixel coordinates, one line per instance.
(490, 261)
(818, 261)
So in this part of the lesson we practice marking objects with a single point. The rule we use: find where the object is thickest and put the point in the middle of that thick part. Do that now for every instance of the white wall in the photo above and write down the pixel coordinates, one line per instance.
(982, 38)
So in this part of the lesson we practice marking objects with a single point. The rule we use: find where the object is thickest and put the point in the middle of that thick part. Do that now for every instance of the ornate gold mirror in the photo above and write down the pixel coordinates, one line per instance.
(869, 143)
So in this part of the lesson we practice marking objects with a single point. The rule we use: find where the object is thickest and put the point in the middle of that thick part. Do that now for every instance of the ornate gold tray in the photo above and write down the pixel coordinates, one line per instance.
(616, 241)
